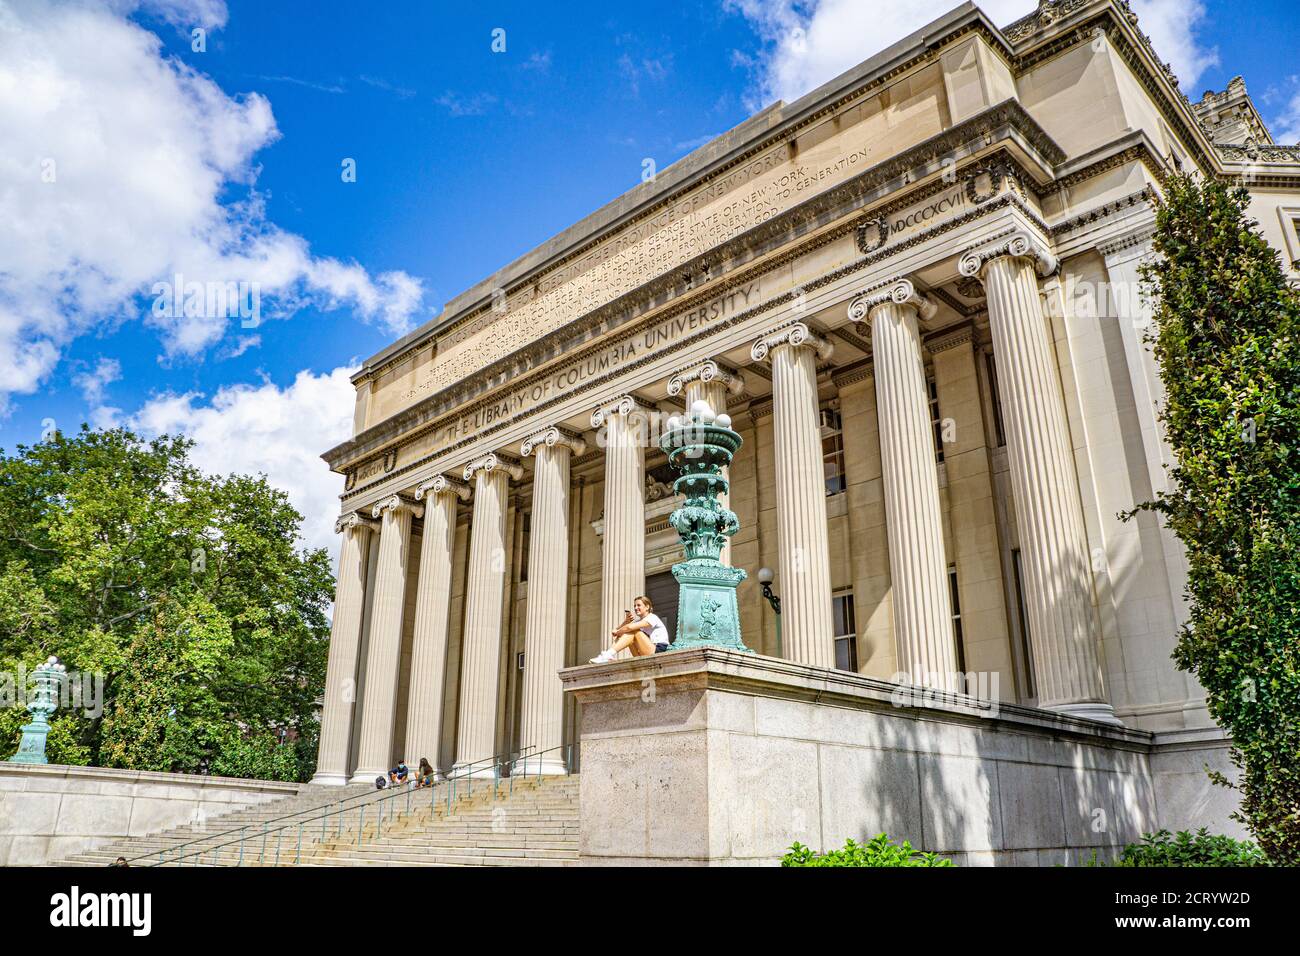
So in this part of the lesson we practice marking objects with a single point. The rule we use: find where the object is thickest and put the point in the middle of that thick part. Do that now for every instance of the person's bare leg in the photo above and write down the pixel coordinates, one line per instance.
(625, 641)
(643, 647)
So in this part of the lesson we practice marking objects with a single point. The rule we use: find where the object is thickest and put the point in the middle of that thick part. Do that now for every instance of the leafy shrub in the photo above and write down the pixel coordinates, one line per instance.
(878, 852)
(1227, 338)
(1187, 849)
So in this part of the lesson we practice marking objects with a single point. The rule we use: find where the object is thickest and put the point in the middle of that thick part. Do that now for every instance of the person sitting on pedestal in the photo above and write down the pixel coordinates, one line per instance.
(642, 632)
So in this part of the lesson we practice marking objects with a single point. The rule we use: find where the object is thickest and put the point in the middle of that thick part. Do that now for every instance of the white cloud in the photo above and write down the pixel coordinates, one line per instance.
(92, 382)
(1286, 126)
(116, 162)
(808, 42)
(279, 432)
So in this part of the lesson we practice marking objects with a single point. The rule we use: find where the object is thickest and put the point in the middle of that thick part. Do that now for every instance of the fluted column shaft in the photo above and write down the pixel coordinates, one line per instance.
(481, 644)
(1049, 513)
(542, 723)
(378, 708)
(917, 567)
(623, 553)
(802, 543)
(424, 709)
(345, 644)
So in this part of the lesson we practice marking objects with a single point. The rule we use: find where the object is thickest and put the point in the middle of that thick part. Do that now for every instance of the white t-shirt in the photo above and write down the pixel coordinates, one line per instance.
(658, 633)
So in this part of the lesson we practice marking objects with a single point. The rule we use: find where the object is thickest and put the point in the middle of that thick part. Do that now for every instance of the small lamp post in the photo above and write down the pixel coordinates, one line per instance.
(765, 578)
(48, 678)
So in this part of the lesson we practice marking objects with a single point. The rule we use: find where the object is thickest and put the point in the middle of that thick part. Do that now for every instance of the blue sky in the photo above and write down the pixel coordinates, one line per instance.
(465, 158)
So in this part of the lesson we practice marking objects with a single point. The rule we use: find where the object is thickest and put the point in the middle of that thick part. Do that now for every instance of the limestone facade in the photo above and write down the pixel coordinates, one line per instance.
(915, 291)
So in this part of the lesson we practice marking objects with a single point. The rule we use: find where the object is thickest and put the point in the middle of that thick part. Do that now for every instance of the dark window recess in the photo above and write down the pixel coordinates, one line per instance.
(524, 543)
(956, 619)
(996, 397)
(936, 423)
(832, 451)
(846, 632)
(1026, 648)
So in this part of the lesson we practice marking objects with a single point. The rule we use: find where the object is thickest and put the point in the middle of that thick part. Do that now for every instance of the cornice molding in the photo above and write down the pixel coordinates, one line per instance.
(950, 340)
(978, 128)
(864, 372)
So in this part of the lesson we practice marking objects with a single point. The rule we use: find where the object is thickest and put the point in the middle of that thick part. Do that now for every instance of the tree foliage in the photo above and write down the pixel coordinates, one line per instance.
(1226, 339)
(188, 593)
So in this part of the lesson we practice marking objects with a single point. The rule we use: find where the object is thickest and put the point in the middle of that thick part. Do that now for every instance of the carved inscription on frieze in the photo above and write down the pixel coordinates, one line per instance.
(699, 221)
(570, 376)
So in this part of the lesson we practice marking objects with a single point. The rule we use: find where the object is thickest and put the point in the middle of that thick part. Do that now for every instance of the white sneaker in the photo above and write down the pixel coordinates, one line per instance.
(604, 657)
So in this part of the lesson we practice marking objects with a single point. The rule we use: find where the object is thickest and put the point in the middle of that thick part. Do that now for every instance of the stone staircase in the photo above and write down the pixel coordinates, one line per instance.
(533, 823)
(536, 825)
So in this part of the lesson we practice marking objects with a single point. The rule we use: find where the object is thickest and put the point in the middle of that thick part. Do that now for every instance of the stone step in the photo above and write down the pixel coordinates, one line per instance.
(535, 823)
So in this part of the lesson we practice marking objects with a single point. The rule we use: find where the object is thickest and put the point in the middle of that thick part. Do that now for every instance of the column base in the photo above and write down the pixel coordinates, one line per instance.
(330, 779)
(547, 766)
(368, 776)
(1101, 712)
(481, 773)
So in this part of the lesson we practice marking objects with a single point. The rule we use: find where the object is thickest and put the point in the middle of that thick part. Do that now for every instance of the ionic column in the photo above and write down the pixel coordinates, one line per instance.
(442, 496)
(917, 567)
(481, 644)
(802, 547)
(345, 643)
(710, 382)
(1049, 512)
(624, 424)
(542, 724)
(378, 708)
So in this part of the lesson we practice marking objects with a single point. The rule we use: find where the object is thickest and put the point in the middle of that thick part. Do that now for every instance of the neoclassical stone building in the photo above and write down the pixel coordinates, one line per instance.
(915, 290)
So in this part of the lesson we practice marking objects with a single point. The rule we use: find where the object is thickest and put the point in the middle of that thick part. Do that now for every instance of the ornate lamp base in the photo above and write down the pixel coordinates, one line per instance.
(31, 749)
(707, 614)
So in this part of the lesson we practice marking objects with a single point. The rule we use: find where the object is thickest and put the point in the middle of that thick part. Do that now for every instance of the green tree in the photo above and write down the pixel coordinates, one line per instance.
(1227, 339)
(188, 593)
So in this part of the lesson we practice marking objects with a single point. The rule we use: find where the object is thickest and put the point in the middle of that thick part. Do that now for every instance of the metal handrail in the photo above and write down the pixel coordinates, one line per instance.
(359, 798)
(465, 772)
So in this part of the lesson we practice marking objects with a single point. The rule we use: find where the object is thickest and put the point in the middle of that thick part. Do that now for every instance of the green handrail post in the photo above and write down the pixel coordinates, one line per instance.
(241, 846)
(298, 859)
(361, 822)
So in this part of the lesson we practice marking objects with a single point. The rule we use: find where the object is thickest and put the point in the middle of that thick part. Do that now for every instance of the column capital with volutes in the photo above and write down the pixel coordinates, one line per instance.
(395, 503)
(1018, 245)
(442, 485)
(625, 405)
(551, 438)
(354, 522)
(494, 461)
(792, 334)
(707, 371)
(895, 291)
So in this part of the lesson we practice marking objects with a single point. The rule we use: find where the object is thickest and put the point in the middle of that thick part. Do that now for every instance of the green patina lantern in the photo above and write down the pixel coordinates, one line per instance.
(48, 678)
(700, 446)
